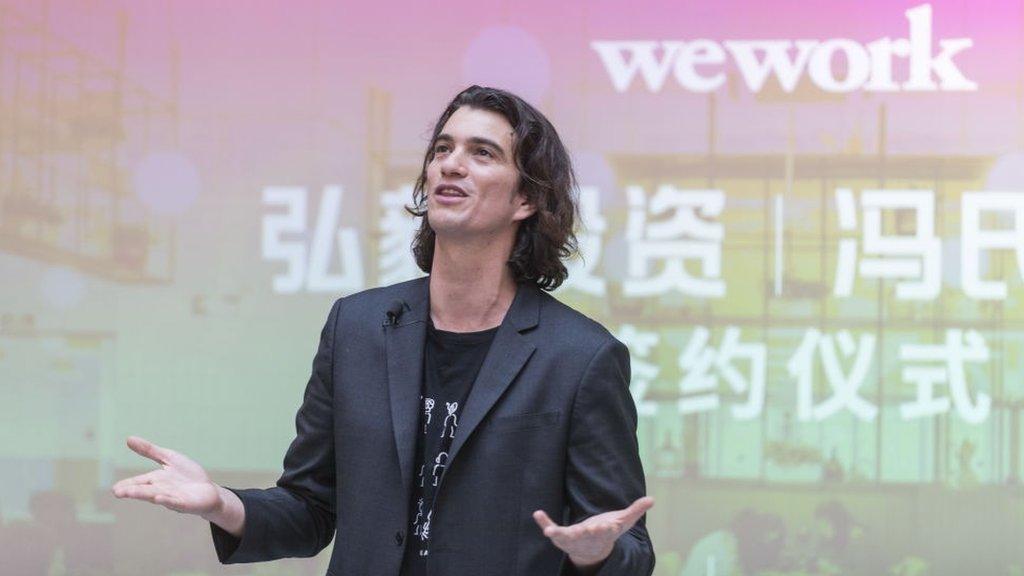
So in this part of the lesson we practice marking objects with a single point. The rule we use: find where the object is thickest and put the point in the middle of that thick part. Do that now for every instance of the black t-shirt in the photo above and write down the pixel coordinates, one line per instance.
(451, 362)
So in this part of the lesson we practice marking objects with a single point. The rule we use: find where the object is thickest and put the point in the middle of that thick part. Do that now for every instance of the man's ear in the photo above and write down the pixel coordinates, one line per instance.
(524, 209)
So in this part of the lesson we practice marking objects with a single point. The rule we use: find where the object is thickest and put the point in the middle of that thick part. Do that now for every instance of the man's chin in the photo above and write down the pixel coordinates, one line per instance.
(444, 222)
(451, 232)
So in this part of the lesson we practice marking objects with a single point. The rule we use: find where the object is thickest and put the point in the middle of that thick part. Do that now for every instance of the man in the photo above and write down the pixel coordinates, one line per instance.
(444, 413)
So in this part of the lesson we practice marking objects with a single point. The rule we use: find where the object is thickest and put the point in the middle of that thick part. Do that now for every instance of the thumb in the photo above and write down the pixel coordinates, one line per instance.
(637, 509)
(144, 447)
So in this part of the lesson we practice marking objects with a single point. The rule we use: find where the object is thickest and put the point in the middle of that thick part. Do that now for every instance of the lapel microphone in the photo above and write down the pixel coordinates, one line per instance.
(394, 312)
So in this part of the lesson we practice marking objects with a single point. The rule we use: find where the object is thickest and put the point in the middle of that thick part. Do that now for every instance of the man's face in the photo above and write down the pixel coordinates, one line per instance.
(472, 181)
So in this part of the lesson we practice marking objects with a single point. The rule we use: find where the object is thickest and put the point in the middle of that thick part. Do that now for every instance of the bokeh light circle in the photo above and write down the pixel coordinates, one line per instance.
(508, 57)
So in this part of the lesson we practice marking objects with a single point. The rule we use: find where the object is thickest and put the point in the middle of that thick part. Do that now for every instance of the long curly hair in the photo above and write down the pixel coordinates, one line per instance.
(546, 179)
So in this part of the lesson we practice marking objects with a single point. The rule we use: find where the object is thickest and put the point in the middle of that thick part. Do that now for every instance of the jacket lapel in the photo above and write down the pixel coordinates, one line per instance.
(404, 344)
(508, 353)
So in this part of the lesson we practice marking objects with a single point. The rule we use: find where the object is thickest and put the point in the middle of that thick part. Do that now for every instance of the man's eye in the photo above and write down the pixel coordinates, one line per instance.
(484, 152)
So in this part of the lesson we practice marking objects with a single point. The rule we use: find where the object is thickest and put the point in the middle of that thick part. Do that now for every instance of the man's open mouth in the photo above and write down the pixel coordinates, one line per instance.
(450, 191)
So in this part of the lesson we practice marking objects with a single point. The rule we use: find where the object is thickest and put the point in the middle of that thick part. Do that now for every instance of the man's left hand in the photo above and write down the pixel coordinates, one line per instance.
(590, 542)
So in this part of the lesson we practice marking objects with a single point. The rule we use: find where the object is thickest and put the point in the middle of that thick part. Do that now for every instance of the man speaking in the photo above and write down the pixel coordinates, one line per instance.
(464, 423)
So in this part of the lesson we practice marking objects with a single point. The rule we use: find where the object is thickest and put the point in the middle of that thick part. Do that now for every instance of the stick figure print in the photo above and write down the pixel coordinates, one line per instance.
(419, 514)
(425, 532)
(439, 464)
(428, 407)
(450, 418)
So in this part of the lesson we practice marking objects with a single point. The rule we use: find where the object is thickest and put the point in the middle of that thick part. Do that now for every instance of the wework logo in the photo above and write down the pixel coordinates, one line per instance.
(698, 65)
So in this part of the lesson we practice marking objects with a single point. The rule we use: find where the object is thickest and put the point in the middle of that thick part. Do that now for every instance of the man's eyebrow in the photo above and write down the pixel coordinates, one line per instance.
(478, 140)
(489, 143)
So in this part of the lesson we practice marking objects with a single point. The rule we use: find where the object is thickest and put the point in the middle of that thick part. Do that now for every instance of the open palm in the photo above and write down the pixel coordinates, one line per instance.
(180, 484)
(591, 541)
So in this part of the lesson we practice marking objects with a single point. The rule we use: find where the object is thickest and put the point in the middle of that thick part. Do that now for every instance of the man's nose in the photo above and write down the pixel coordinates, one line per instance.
(454, 164)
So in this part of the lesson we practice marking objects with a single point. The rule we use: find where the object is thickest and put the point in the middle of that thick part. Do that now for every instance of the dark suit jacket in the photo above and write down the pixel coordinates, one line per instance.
(549, 424)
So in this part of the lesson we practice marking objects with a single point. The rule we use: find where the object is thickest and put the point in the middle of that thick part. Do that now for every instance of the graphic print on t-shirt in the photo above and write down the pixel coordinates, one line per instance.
(425, 533)
(436, 441)
(428, 406)
(451, 421)
(419, 514)
(439, 464)
(451, 363)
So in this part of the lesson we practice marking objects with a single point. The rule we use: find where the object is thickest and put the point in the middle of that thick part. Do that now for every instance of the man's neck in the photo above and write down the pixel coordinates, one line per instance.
(470, 288)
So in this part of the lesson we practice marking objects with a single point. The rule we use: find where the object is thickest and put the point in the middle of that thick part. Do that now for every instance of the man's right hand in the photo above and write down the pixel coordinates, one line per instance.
(182, 485)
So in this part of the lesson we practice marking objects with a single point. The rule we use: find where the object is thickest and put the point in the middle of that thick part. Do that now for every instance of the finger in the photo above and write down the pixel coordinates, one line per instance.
(147, 478)
(543, 520)
(548, 526)
(560, 537)
(146, 448)
(636, 510)
(156, 495)
(563, 536)
(147, 492)
(168, 502)
(609, 530)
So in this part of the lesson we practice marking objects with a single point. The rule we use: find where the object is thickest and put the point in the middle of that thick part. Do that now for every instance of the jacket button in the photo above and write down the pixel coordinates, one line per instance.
(399, 538)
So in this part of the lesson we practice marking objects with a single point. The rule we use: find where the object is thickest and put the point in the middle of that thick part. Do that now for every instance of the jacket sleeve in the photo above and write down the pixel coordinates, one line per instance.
(297, 517)
(604, 471)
